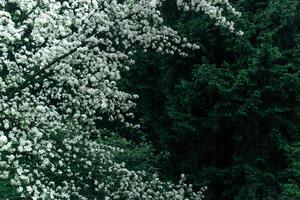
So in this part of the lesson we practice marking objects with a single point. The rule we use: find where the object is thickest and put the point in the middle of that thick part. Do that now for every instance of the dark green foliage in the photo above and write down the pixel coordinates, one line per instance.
(7, 191)
(229, 113)
(138, 157)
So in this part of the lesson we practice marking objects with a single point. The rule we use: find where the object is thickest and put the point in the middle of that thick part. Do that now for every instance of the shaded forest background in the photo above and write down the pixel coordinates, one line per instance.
(228, 114)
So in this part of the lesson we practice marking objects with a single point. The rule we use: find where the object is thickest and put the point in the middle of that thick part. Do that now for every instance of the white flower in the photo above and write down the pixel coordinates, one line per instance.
(6, 124)
(3, 140)
(20, 189)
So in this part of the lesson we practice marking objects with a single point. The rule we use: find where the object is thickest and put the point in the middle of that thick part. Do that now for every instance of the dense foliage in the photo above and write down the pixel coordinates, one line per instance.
(216, 102)
(60, 64)
(228, 115)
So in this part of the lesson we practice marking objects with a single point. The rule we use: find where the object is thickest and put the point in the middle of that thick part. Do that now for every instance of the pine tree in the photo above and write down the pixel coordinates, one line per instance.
(229, 113)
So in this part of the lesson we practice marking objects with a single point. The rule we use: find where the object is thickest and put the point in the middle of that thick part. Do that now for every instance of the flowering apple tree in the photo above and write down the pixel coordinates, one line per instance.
(60, 61)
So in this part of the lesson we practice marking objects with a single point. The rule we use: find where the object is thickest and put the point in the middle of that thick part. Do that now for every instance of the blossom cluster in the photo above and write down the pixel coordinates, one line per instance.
(60, 62)
(214, 9)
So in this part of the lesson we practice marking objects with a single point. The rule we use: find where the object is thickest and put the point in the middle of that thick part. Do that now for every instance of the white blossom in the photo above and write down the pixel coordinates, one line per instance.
(3, 140)
(62, 61)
